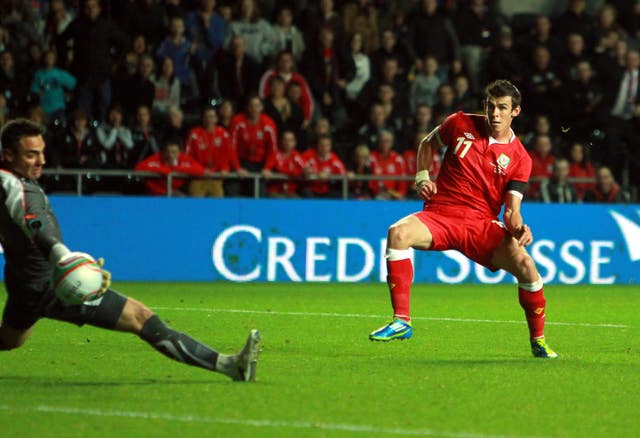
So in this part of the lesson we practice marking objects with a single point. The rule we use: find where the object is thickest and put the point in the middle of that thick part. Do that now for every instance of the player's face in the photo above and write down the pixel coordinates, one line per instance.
(28, 160)
(500, 113)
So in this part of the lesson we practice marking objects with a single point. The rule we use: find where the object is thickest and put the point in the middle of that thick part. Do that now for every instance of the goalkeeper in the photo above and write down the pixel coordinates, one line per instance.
(32, 242)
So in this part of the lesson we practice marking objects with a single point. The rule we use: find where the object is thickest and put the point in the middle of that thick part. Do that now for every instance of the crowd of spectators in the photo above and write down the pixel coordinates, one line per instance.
(309, 89)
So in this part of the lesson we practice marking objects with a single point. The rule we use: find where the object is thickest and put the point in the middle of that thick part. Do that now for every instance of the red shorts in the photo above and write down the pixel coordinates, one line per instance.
(476, 237)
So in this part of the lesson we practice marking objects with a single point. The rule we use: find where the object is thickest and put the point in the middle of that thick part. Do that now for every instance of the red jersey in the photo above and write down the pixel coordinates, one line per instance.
(306, 98)
(155, 163)
(578, 170)
(476, 169)
(411, 162)
(291, 165)
(330, 164)
(211, 149)
(393, 165)
(252, 143)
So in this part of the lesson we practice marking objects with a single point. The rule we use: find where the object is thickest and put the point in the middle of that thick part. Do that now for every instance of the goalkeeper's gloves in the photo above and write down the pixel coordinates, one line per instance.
(106, 276)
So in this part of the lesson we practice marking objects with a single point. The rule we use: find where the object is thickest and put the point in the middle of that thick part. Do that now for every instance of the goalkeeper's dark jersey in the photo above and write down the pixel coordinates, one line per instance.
(28, 230)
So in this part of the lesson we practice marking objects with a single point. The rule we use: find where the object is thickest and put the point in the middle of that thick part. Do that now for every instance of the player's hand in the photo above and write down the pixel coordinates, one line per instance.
(523, 235)
(427, 189)
(106, 276)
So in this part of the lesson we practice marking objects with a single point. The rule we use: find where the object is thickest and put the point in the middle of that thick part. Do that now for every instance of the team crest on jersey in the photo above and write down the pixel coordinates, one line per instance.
(501, 164)
(469, 136)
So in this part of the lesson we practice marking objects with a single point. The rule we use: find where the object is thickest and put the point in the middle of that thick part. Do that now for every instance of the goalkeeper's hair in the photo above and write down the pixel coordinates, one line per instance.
(17, 129)
(501, 88)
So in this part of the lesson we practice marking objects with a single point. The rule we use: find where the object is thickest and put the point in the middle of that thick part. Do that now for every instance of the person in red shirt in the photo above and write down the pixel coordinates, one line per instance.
(390, 163)
(362, 165)
(285, 68)
(254, 137)
(209, 145)
(287, 161)
(169, 159)
(606, 189)
(320, 163)
(541, 163)
(484, 168)
(580, 167)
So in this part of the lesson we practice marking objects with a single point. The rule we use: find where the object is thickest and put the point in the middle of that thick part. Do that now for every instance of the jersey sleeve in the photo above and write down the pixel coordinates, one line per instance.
(28, 208)
(519, 179)
(444, 131)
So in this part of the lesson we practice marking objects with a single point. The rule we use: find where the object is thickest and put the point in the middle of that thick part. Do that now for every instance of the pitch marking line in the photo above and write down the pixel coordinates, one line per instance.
(361, 315)
(344, 427)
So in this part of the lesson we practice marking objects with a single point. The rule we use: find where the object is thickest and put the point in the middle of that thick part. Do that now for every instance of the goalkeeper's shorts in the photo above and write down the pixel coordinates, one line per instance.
(24, 307)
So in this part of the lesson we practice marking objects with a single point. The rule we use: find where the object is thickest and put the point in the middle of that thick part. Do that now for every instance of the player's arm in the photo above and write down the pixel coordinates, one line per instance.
(425, 187)
(512, 215)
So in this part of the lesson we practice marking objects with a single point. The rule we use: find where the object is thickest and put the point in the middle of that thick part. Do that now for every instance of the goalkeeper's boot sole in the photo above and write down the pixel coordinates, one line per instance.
(539, 348)
(247, 358)
(396, 329)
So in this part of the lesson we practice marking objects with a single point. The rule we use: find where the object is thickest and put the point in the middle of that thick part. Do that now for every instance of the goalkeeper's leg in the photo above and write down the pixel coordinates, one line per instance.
(138, 319)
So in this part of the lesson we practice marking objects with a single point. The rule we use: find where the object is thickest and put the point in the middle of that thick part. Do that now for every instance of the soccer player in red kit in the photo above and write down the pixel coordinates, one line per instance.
(484, 167)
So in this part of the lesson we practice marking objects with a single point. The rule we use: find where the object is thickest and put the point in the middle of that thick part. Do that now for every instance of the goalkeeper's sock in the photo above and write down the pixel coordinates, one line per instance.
(183, 348)
(399, 278)
(532, 300)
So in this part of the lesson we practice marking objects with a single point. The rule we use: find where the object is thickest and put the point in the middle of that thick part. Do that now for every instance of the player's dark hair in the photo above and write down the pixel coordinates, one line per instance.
(501, 88)
(17, 129)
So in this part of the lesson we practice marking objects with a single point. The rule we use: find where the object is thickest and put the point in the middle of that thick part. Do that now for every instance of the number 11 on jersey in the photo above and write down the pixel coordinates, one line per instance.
(467, 145)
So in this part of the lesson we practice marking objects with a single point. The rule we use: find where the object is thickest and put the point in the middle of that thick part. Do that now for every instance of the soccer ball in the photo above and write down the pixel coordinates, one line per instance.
(77, 278)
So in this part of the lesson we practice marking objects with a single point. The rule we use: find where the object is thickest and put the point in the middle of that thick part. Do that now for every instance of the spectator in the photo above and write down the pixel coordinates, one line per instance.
(116, 140)
(179, 48)
(369, 132)
(88, 42)
(606, 189)
(145, 139)
(146, 18)
(254, 137)
(543, 86)
(58, 19)
(169, 159)
(139, 45)
(558, 189)
(167, 89)
(575, 20)
(446, 103)
(320, 163)
(541, 163)
(124, 76)
(326, 16)
(209, 145)
(362, 64)
(51, 83)
(78, 146)
(605, 56)
(238, 73)
(286, 161)
(389, 48)
(288, 37)
(623, 104)
(362, 165)
(584, 96)
(390, 163)
(390, 76)
(174, 126)
(225, 114)
(286, 114)
(362, 17)
(541, 35)
(542, 126)
(422, 121)
(424, 88)
(13, 85)
(575, 52)
(323, 67)
(206, 28)
(285, 69)
(580, 167)
(607, 21)
(504, 61)
(395, 115)
(477, 24)
(140, 91)
(465, 98)
(257, 33)
(432, 33)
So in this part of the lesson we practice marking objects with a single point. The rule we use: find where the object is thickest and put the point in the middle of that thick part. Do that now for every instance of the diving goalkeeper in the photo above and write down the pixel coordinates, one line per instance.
(32, 242)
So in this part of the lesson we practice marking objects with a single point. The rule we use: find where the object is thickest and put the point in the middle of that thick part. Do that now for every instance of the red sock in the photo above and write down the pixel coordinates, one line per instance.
(533, 304)
(399, 280)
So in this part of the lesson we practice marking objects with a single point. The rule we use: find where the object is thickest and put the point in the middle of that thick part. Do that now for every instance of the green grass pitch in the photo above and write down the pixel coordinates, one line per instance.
(467, 372)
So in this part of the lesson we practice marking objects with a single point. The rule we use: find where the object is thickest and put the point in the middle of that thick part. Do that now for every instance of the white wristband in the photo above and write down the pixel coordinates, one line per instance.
(422, 176)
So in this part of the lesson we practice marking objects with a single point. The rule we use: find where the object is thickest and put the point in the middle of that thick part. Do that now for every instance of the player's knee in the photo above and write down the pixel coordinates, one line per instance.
(527, 271)
(398, 237)
(134, 315)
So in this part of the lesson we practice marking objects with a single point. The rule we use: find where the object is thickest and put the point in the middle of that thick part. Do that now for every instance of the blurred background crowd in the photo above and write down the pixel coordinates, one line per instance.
(312, 88)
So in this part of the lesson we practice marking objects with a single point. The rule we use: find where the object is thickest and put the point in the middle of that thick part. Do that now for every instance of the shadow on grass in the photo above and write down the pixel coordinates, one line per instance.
(10, 381)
